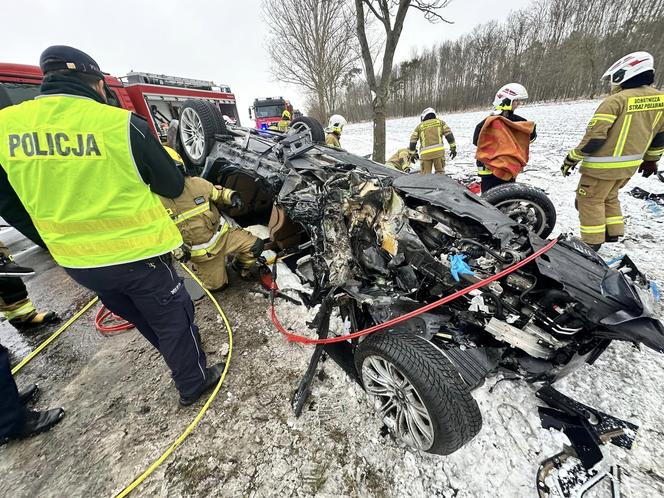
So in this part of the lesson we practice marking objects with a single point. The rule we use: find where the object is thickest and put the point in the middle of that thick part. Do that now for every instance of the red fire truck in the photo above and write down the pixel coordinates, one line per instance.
(268, 111)
(156, 97)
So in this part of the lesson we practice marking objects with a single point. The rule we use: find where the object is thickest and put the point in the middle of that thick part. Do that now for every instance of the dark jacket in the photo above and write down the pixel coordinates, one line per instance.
(154, 164)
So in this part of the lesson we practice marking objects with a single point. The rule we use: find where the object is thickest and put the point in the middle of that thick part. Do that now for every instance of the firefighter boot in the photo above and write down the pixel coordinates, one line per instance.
(24, 316)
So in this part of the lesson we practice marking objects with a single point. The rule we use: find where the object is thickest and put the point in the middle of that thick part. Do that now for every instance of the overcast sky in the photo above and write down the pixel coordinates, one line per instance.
(220, 40)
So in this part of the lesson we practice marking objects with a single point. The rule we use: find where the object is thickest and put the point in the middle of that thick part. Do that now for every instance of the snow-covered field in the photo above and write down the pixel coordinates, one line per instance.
(503, 459)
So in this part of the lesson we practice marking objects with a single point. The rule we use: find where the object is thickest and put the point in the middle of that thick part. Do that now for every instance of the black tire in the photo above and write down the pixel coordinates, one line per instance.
(454, 414)
(542, 212)
(314, 127)
(212, 123)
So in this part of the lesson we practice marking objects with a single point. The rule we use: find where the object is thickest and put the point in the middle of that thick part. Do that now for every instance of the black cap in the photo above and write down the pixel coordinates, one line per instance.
(63, 57)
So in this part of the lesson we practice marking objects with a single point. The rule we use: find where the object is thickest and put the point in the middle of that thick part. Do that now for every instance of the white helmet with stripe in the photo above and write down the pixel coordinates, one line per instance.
(628, 67)
(426, 112)
(336, 124)
(506, 96)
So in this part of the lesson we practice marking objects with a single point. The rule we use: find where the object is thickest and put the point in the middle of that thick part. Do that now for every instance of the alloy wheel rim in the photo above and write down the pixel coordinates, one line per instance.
(525, 212)
(191, 133)
(397, 402)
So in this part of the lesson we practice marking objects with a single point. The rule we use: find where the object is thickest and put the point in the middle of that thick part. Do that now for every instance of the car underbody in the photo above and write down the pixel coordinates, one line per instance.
(376, 243)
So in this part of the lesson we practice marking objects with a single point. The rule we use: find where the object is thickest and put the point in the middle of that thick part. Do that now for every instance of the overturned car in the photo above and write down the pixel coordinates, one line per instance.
(375, 244)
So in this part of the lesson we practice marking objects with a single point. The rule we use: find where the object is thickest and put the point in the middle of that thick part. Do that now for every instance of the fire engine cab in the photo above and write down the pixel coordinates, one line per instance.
(267, 111)
(156, 97)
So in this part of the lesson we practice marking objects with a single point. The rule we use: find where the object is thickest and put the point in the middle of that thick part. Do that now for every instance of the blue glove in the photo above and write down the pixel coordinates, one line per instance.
(458, 266)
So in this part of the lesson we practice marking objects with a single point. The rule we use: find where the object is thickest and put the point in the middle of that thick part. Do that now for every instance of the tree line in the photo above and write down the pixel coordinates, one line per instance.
(558, 49)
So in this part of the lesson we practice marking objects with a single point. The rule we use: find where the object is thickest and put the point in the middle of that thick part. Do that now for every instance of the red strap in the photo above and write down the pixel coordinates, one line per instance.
(462, 292)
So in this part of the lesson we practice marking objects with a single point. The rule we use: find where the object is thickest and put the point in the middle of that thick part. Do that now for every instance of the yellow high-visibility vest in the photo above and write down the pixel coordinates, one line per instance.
(69, 160)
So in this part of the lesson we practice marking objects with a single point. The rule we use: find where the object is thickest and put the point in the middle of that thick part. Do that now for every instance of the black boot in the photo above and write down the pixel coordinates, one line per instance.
(10, 269)
(28, 393)
(213, 374)
(612, 238)
(36, 423)
(595, 247)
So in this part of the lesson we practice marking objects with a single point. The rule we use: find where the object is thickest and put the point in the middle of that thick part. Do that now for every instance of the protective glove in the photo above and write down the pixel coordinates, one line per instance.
(453, 152)
(414, 156)
(648, 168)
(236, 201)
(568, 166)
(182, 253)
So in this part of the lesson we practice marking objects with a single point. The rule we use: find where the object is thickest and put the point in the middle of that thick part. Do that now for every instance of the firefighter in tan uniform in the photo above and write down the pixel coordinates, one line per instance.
(285, 122)
(402, 159)
(15, 305)
(625, 134)
(209, 234)
(334, 129)
(430, 133)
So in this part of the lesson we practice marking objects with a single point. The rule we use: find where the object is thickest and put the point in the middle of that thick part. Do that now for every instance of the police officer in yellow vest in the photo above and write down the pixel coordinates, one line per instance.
(210, 235)
(430, 133)
(87, 175)
(625, 134)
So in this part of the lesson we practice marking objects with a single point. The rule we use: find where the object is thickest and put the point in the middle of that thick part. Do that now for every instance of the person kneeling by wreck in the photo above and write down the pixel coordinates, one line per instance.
(209, 233)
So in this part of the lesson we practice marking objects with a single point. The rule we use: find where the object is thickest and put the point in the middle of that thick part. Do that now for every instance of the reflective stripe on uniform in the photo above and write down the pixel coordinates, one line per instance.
(483, 172)
(191, 213)
(202, 249)
(658, 116)
(93, 226)
(107, 247)
(593, 228)
(23, 310)
(432, 148)
(612, 162)
(622, 138)
(615, 220)
(655, 152)
(574, 155)
(609, 118)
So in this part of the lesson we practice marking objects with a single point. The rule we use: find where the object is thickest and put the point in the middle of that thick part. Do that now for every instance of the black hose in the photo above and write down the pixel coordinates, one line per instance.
(528, 290)
(487, 249)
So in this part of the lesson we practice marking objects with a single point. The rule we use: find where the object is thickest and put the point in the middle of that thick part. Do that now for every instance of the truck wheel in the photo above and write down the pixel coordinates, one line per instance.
(527, 205)
(305, 123)
(200, 121)
(417, 392)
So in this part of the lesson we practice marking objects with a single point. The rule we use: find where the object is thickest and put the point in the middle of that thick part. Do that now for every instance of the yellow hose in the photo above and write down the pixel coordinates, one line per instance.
(200, 414)
(207, 404)
(53, 336)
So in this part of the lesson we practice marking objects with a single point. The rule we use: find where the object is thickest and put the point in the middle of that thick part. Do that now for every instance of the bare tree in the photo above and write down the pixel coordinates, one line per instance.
(312, 44)
(556, 48)
(391, 15)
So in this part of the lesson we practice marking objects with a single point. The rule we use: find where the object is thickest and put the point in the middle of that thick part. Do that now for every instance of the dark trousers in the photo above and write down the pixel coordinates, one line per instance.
(151, 295)
(12, 290)
(12, 412)
(490, 181)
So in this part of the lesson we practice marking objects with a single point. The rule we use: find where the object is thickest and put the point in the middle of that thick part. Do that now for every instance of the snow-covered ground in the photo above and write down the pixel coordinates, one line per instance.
(503, 459)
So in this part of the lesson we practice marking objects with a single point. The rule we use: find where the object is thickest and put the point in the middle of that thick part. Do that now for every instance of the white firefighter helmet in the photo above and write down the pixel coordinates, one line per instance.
(628, 67)
(506, 96)
(336, 124)
(426, 112)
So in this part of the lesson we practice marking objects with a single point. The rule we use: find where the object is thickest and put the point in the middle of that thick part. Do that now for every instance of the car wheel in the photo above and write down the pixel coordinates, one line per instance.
(304, 123)
(200, 121)
(417, 392)
(527, 205)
